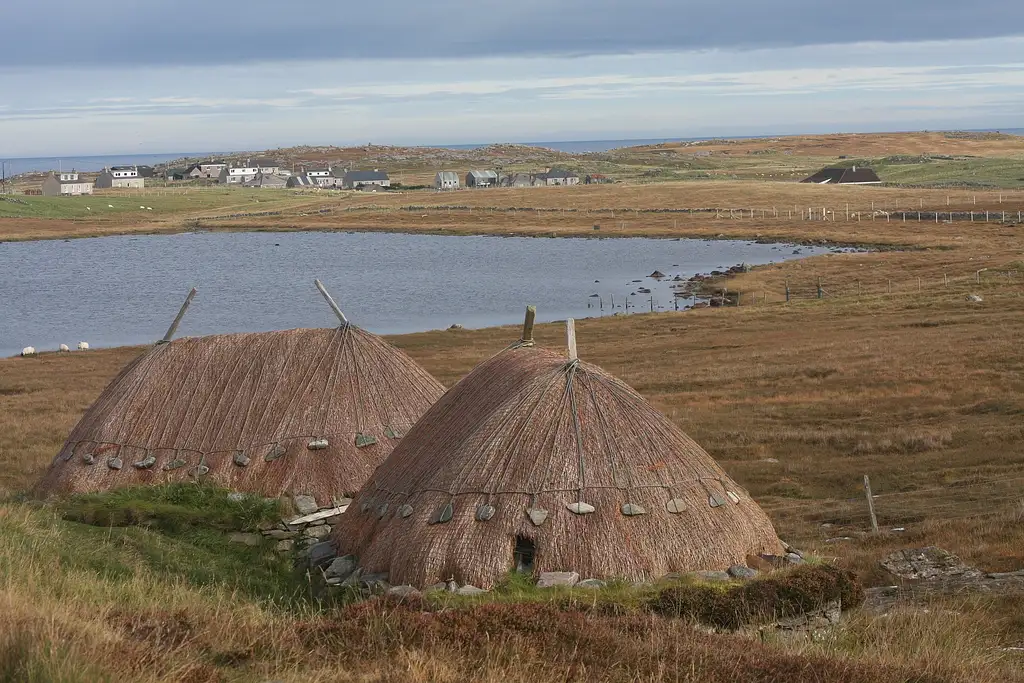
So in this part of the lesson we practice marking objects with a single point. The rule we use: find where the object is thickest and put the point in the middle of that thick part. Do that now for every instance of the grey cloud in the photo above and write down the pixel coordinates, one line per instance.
(109, 32)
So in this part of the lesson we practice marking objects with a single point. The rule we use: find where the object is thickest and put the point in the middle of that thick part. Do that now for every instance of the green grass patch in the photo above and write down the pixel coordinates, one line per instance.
(730, 606)
(171, 508)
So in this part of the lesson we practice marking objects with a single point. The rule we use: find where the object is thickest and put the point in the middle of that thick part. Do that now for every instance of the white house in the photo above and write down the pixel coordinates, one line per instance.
(322, 177)
(557, 177)
(207, 169)
(120, 176)
(65, 183)
(446, 180)
(236, 175)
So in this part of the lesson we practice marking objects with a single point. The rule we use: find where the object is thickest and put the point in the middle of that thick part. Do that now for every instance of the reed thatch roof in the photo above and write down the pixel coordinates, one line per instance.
(532, 449)
(309, 411)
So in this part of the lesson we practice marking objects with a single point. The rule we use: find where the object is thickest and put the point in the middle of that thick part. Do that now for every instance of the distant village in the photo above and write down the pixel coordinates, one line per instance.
(268, 173)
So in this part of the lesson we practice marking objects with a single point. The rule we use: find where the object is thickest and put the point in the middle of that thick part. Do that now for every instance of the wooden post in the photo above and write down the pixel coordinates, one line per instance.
(652, 303)
(787, 291)
(888, 286)
(945, 280)
(330, 302)
(819, 288)
(531, 316)
(871, 505)
(181, 314)
(919, 284)
(570, 333)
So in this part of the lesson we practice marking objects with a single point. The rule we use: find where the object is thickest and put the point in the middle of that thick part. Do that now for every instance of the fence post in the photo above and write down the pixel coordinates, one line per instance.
(787, 291)
(945, 280)
(871, 504)
(819, 288)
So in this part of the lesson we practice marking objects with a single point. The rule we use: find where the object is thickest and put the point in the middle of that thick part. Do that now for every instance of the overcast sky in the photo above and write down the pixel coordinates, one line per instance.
(108, 76)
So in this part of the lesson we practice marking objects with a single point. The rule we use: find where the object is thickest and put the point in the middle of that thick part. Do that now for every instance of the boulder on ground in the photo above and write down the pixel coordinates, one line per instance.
(552, 579)
(929, 564)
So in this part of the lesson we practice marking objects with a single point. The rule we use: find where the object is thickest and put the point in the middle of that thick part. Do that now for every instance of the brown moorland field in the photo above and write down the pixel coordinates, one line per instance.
(893, 373)
(920, 389)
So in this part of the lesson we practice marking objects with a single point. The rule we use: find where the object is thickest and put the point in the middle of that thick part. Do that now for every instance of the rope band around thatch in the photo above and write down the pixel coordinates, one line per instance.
(538, 515)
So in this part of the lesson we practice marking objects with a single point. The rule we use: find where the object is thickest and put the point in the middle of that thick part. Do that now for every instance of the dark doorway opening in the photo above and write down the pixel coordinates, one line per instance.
(523, 555)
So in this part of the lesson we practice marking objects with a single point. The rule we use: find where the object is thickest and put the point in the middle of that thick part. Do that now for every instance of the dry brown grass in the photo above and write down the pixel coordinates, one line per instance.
(920, 389)
(868, 145)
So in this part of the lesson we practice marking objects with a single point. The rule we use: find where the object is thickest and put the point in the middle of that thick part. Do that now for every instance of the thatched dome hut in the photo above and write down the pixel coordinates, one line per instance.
(539, 463)
(301, 412)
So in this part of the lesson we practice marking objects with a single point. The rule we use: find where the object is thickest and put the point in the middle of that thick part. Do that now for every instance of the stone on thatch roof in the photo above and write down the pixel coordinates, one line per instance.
(533, 455)
(308, 411)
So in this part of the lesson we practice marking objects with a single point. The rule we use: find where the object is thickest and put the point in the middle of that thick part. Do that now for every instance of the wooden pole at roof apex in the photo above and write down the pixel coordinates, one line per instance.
(570, 333)
(181, 314)
(330, 302)
(531, 316)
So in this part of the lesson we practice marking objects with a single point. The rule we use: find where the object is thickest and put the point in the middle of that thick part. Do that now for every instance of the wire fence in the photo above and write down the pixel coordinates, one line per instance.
(705, 292)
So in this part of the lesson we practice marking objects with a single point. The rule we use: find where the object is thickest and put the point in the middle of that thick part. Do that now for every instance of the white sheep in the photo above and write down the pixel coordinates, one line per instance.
(63, 348)
(28, 351)
(83, 346)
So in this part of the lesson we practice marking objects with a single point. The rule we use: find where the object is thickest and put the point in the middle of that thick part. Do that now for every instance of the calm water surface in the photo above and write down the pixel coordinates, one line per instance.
(113, 291)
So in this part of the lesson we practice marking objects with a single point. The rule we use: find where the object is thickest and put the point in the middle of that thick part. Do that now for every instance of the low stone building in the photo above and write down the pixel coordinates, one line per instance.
(67, 183)
(356, 179)
(557, 177)
(518, 180)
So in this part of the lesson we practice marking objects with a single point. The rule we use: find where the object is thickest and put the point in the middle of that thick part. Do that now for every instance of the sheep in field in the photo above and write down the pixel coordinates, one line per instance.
(28, 351)
(63, 348)
(83, 346)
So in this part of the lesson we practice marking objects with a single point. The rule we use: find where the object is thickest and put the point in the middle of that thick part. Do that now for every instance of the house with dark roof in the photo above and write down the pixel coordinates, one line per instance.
(207, 169)
(301, 180)
(267, 166)
(557, 177)
(120, 177)
(844, 176)
(481, 179)
(267, 180)
(353, 180)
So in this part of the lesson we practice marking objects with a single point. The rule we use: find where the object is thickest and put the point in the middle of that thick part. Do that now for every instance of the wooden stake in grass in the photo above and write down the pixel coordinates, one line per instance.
(871, 504)
(177, 319)
(570, 333)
